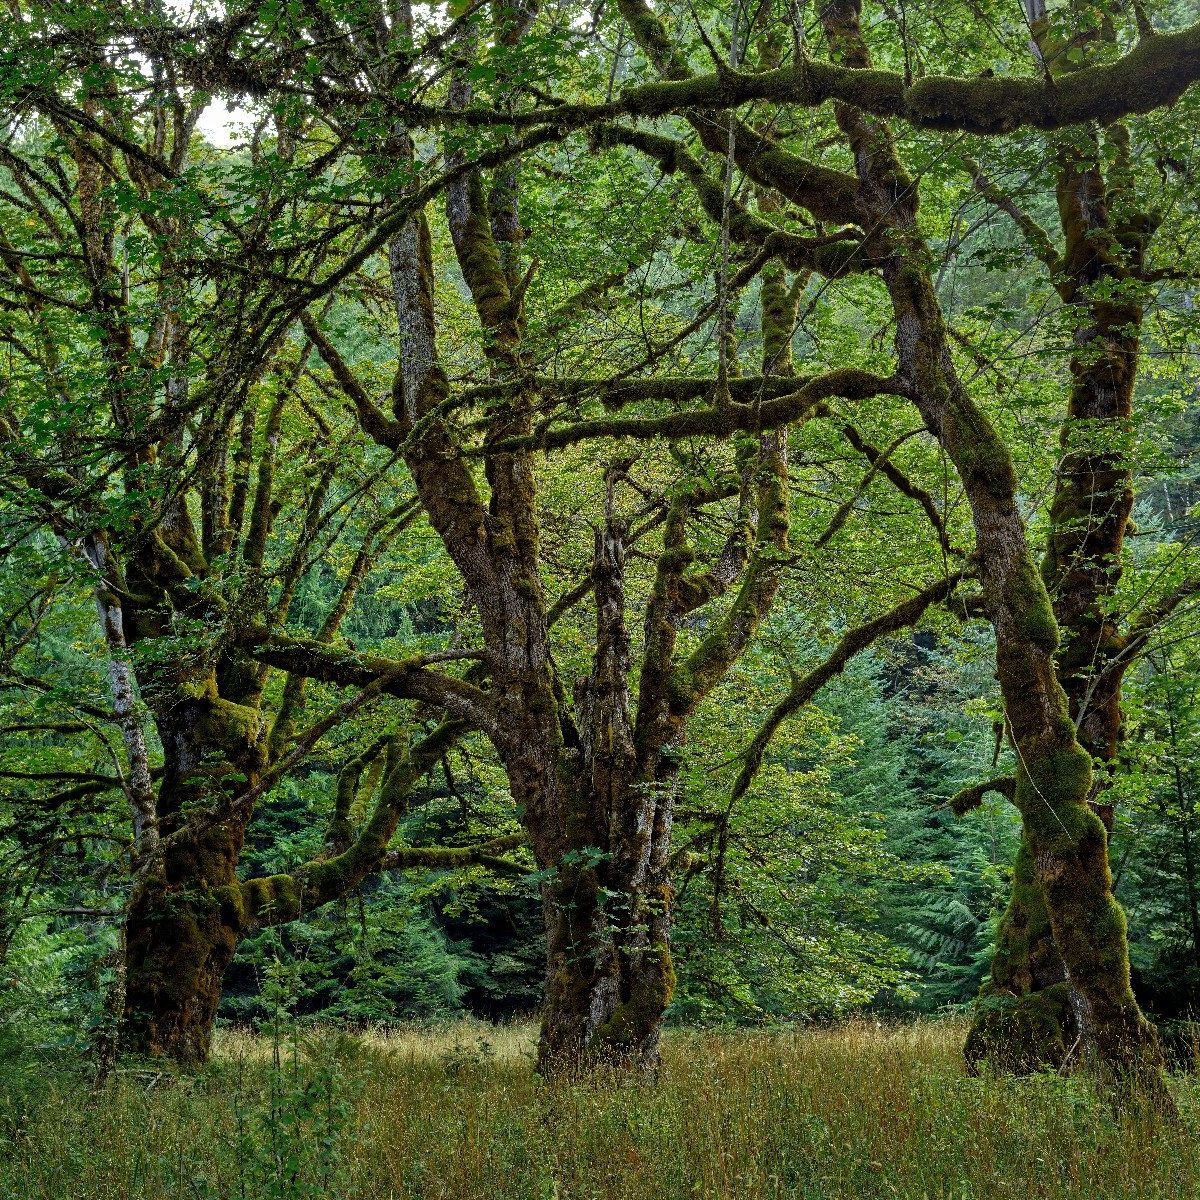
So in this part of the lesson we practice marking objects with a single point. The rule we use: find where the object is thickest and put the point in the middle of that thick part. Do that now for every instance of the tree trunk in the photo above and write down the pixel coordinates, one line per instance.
(184, 921)
(1066, 840)
(179, 940)
(1082, 566)
(610, 975)
(1023, 1020)
(609, 972)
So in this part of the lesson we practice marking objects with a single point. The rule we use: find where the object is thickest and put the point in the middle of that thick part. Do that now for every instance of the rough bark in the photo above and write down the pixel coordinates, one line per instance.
(179, 934)
(1153, 75)
(184, 506)
(1102, 265)
(609, 976)
(594, 783)
(189, 914)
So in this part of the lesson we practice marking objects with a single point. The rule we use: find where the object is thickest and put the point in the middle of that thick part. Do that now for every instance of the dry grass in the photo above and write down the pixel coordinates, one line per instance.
(856, 1111)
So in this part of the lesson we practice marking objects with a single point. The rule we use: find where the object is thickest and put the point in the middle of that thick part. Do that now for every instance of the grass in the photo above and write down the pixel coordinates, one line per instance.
(854, 1111)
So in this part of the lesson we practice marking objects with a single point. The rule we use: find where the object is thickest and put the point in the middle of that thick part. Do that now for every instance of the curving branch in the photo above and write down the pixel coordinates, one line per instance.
(407, 679)
(1143, 626)
(277, 899)
(902, 483)
(1154, 74)
(376, 424)
(616, 393)
(835, 254)
(1035, 235)
(724, 420)
(879, 461)
(962, 802)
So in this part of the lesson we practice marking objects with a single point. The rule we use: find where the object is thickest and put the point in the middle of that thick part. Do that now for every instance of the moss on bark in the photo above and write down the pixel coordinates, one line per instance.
(1021, 1034)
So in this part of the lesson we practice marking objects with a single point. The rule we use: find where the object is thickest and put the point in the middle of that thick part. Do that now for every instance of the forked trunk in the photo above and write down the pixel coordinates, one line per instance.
(609, 972)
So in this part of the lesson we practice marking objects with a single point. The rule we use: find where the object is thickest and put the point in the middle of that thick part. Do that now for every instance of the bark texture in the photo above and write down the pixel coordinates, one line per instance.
(180, 934)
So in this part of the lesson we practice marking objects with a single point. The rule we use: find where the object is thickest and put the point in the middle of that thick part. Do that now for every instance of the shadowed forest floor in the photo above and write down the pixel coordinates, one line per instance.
(456, 1112)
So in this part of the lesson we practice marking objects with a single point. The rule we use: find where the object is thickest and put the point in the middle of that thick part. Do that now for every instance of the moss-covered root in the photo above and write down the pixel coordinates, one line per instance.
(1021, 1035)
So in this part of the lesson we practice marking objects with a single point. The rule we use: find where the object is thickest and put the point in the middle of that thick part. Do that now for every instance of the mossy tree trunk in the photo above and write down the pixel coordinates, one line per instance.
(1066, 841)
(190, 912)
(594, 780)
(1088, 519)
(181, 932)
(1100, 275)
(1056, 774)
(609, 972)
(176, 531)
(179, 939)
(611, 976)
(1024, 1020)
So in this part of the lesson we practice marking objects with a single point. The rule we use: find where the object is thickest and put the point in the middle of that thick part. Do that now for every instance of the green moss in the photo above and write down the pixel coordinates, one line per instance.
(223, 725)
(276, 896)
(232, 906)
(1021, 1034)
(962, 802)
(1027, 599)
(1025, 956)
(635, 1022)
(178, 945)
(1051, 795)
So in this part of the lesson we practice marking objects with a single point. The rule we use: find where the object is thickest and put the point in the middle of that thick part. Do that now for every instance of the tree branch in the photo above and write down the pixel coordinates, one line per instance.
(962, 802)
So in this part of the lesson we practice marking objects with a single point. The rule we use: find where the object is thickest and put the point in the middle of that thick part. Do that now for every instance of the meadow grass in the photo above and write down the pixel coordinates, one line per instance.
(457, 1112)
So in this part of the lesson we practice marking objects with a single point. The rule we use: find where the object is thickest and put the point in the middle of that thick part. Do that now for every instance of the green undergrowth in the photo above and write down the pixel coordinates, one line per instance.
(852, 1111)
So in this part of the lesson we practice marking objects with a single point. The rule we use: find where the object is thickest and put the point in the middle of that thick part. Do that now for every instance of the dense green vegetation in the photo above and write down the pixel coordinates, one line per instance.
(639, 519)
(838, 1114)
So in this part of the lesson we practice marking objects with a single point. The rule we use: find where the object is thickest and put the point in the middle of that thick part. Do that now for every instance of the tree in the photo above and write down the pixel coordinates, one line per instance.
(163, 447)
(1103, 276)
(1053, 785)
